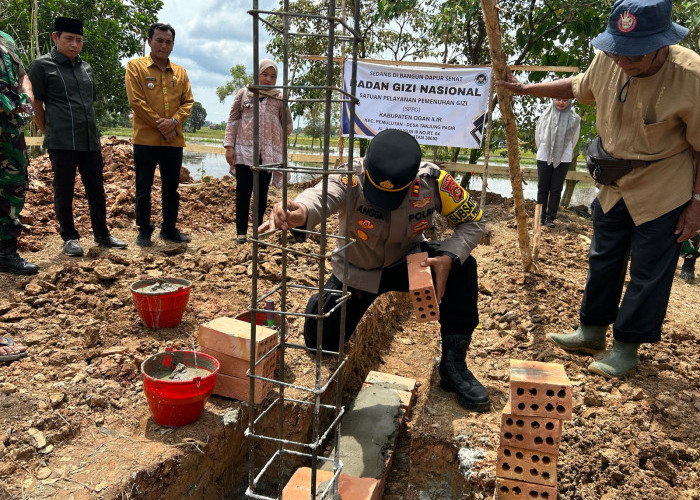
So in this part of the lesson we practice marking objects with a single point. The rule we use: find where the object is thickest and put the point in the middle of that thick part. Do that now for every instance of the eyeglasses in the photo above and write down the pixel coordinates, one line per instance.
(618, 57)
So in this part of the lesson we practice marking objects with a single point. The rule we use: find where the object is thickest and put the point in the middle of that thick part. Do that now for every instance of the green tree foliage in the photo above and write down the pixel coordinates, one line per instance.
(239, 79)
(196, 119)
(113, 30)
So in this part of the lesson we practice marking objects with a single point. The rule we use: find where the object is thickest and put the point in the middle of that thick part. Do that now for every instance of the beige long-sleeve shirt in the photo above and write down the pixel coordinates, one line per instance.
(659, 122)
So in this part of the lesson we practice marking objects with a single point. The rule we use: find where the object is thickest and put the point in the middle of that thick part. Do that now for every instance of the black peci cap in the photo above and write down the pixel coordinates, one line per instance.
(69, 25)
(391, 165)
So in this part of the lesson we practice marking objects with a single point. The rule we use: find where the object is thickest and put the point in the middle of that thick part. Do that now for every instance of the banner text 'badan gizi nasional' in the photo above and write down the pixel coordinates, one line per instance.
(439, 107)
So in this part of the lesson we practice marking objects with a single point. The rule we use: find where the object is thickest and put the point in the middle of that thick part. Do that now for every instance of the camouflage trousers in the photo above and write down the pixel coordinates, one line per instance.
(14, 180)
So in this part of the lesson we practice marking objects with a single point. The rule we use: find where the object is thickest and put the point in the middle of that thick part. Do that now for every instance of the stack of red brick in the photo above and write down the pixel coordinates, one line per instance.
(540, 398)
(228, 340)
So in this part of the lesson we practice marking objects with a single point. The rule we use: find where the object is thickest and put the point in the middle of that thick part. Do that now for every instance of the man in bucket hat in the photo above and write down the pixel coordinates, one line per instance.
(647, 94)
(393, 196)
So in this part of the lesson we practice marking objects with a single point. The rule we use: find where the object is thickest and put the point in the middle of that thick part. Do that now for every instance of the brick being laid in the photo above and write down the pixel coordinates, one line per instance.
(232, 337)
(540, 390)
(421, 289)
(531, 466)
(508, 489)
(349, 487)
(532, 433)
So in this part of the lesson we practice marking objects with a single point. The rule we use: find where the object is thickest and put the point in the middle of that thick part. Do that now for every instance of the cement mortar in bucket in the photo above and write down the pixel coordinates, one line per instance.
(161, 302)
(177, 385)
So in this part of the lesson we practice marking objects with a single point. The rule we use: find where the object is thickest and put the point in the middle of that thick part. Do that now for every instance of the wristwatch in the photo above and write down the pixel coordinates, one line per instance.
(696, 196)
(175, 120)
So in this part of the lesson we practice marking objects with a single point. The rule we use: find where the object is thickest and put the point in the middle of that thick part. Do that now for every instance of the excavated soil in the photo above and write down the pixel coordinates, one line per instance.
(78, 396)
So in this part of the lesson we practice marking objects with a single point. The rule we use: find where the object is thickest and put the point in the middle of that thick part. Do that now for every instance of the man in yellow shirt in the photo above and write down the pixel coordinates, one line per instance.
(160, 96)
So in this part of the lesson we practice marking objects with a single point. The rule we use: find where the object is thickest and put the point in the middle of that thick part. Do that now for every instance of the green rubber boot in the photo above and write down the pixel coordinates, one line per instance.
(587, 339)
(621, 360)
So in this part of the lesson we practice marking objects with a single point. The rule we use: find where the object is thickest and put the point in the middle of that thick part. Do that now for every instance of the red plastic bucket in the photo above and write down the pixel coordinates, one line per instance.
(161, 302)
(175, 403)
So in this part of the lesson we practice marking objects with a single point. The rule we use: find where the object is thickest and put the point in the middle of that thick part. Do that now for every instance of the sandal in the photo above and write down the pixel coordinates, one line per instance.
(9, 358)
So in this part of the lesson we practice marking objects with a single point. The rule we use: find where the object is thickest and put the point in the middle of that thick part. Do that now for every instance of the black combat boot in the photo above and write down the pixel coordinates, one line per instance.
(688, 268)
(11, 262)
(456, 377)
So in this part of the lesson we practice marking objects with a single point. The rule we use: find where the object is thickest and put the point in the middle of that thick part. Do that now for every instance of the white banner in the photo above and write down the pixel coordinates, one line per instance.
(439, 107)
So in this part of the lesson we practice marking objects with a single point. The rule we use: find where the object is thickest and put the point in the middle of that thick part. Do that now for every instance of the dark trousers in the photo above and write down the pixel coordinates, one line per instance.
(550, 182)
(244, 190)
(90, 166)
(458, 312)
(169, 159)
(654, 256)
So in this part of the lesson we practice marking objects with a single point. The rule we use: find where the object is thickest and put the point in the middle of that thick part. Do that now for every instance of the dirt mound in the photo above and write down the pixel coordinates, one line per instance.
(205, 207)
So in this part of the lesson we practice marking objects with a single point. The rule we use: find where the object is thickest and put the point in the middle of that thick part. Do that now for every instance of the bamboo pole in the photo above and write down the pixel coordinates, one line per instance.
(487, 146)
(505, 102)
(536, 233)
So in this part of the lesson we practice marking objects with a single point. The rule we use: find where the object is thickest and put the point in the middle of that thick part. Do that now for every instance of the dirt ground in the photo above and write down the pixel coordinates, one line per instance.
(636, 438)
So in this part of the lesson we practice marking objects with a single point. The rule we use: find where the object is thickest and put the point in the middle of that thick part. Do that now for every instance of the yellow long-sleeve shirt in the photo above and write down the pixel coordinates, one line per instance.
(154, 93)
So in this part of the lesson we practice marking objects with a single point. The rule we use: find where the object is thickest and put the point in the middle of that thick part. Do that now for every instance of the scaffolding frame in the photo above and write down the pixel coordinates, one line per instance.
(333, 94)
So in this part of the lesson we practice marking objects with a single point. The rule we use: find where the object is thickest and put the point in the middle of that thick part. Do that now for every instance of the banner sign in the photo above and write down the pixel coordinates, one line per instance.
(439, 107)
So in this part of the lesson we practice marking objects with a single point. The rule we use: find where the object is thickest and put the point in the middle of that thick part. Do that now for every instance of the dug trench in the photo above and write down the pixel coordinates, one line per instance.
(76, 423)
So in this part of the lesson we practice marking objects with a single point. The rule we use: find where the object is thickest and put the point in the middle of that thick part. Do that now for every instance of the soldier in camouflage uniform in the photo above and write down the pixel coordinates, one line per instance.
(15, 98)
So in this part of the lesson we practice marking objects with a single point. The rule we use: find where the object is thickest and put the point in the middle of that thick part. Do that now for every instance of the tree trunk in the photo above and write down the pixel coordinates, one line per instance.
(505, 101)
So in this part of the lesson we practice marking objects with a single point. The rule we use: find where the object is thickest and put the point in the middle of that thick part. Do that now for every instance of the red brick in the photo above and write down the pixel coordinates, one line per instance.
(404, 386)
(421, 289)
(532, 433)
(350, 488)
(239, 388)
(540, 390)
(507, 489)
(527, 465)
(237, 367)
(232, 337)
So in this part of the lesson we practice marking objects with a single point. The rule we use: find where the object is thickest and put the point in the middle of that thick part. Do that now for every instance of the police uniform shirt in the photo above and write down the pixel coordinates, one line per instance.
(383, 237)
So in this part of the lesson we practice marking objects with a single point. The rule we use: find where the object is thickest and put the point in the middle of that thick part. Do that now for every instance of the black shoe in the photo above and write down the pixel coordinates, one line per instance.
(144, 239)
(110, 241)
(456, 377)
(175, 236)
(13, 263)
(549, 223)
(688, 269)
(72, 248)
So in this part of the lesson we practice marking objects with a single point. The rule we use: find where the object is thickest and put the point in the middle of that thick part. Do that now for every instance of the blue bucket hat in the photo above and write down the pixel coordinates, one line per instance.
(639, 27)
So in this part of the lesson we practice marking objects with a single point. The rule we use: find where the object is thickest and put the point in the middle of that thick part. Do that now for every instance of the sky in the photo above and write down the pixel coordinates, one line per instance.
(212, 36)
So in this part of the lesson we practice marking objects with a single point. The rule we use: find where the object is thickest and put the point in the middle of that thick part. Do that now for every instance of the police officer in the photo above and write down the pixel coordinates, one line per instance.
(15, 97)
(393, 197)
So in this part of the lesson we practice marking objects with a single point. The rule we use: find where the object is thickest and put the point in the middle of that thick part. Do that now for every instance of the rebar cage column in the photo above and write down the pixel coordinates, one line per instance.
(285, 447)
